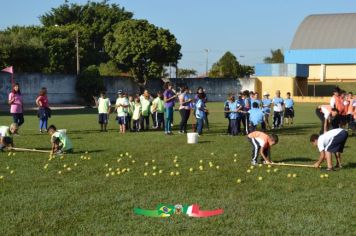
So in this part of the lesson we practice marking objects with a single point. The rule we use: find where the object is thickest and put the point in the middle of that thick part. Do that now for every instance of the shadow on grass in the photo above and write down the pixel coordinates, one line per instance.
(296, 159)
(350, 165)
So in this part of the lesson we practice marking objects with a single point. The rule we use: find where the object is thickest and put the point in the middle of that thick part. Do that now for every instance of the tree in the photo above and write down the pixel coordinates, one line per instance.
(143, 48)
(246, 70)
(24, 48)
(186, 73)
(226, 67)
(94, 20)
(276, 57)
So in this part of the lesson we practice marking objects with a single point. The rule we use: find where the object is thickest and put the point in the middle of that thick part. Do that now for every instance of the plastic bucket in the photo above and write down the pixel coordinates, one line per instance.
(64, 131)
(192, 138)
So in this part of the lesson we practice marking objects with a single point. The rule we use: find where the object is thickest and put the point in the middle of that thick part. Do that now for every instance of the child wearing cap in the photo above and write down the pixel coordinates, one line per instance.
(266, 108)
(104, 107)
(261, 144)
(122, 104)
(5, 135)
(60, 142)
(289, 109)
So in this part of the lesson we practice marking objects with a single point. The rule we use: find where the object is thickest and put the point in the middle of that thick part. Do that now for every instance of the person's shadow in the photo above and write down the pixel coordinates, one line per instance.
(297, 159)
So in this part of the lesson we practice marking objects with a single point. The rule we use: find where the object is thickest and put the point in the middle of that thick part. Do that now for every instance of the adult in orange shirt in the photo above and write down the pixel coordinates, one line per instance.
(262, 143)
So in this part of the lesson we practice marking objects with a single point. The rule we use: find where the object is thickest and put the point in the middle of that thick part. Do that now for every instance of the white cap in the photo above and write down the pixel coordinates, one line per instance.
(265, 94)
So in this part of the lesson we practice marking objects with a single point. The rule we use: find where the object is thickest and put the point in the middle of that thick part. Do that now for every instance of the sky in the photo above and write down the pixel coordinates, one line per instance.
(249, 29)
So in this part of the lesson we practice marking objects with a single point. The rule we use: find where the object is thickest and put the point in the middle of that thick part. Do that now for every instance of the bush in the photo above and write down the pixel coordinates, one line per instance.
(89, 83)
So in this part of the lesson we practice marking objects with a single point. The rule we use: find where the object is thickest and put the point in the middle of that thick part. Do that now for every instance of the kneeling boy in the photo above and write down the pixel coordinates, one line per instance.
(262, 143)
(60, 141)
(5, 135)
(328, 143)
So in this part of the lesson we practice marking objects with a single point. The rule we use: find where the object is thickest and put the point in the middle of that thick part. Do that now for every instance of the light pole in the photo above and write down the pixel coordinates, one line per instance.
(207, 61)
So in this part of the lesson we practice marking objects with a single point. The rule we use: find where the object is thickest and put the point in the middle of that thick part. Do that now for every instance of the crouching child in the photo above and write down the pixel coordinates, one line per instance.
(5, 136)
(60, 142)
(261, 144)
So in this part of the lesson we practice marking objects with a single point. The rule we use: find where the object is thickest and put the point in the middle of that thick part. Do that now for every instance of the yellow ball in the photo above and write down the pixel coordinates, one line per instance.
(322, 176)
(172, 173)
(177, 173)
(75, 164)
(145, 174)
(146, 163)
(326, 175)
(154, 173)
(294, 175)
(201, 161)
(174, 160)
(121, 155)
(69, 169)
(268, 171)
(64, 166)
(12, 171)
(107, 175)
(248, 171)
(106, 165)
(14, 154)
(160, 171)
(238, 181)
(126, 153)
(190, 169)
(235, 160)
(112, 173)
(153, 161)
(212, 154)
(110, 169)
(200, 167)
(177, 165)
(1, 177)
(154, 167)
(260, 178)
(275, 170)
(252, 167)
(133, 161)
(259, 165)
(289, 175)
(269, 166)
(59, 172)
(217, 167)
(235, 155)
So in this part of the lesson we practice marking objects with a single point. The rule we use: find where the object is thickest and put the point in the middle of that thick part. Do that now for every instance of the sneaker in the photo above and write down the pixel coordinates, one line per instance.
(254, 163)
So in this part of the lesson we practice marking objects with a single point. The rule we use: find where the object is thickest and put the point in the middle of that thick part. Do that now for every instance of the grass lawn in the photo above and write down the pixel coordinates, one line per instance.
(35, 200)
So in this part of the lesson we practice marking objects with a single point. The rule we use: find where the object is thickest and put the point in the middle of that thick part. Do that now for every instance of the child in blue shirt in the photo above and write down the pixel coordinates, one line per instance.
(200, 113)
(234, 115)
(288, 109)
(256, 117)
(266, 108)
(278, 103)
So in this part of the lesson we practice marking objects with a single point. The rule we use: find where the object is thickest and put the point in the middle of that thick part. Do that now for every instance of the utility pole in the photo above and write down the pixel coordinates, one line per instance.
(207, 62)
(77, 46)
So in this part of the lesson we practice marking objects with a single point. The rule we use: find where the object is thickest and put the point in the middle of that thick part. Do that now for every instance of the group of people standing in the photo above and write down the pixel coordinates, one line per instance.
(134, 112)
(249, 111)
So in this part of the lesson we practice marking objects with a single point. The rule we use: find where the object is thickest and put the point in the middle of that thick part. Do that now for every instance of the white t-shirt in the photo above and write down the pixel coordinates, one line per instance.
(122, 111)
(4, 131)
(325, 111)
(325, 139)
(332, 101)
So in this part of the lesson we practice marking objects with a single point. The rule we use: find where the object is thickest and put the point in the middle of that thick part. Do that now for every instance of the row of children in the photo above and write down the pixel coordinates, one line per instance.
(250, 111)
(133, 113)
(339, 113)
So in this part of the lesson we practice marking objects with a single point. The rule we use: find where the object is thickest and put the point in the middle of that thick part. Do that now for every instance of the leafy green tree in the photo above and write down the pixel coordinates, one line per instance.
(110, 69)
(143, 48)
(226, 67)
(246, 70)
(276, 57)
(97, 18)
(89, 83)
(186, 73)
(24, 48)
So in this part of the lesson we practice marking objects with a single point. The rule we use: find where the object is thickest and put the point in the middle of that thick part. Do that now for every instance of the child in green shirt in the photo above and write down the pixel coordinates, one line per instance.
(158, 111)
(104, 106)
(60, 142)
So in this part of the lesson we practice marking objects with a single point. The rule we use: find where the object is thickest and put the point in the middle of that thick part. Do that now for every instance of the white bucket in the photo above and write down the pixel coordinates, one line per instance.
(192, 138)
(63, 131)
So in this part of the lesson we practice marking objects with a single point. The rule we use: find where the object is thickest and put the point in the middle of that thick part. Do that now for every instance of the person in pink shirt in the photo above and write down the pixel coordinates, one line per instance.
(44, 112)
(16, 105)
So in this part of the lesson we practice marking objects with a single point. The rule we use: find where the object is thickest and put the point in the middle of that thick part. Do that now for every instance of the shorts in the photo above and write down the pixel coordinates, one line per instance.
(289, 112)
(103, 118)
(337, 144)
(121, 120)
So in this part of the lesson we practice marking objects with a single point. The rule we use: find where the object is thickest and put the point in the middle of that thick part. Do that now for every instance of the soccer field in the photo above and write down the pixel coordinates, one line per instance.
(38, 199)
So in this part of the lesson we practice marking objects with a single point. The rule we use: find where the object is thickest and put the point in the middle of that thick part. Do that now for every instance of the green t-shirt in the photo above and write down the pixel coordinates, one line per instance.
(159, 103)
(103, 105)
(145, 103)
(63, 138)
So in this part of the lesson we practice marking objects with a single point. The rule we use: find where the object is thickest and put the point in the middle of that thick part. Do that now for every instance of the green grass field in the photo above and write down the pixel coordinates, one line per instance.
(39, 201)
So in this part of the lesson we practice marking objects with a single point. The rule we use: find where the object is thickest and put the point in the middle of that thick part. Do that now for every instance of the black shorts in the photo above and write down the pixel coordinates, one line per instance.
(337, 144)
(103, 118)
(289, 112)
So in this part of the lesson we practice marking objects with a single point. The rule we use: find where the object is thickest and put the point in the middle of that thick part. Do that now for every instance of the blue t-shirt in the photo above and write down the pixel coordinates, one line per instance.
(277, 104)
(266, 105)
(256, 116)
(233, 106)
(256, 101)
(289, 102)
(199, 109)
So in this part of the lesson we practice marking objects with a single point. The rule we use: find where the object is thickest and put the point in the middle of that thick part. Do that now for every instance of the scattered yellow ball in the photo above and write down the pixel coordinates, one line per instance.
(9, 154)
(238, 181)
(235, 155)
(275, 170)
(106, 165)
(12, 171)
(146, 163)
(217, 167)
(177, 165)
(260, 178)
(294, 175)
(201, 168)
(113, 173)
(128, 169)
(118, 160)
(289, 175)
(235, 160)
(69, 169)
(268, 171)
(269, 166)
(126, 153)
(160, 171)
(89, 158)
(177, 173)
(174, 160)
(248, 171)
(322, 176)
(133, 161)
(45, 166)
(145, 174)
(172, 173)
(118, 172)
(154, 167)
(62, 157)
(14, 154)
(7, 167)
(86, 152)
(1, 177)
(201, 161)
(259, 165)
(64, 166)
(252, 167)
(326, 175)
(212, 154)
(75, 164)
(130, 156)
(59, 172)
(110, 169)
(153, 161)
(121, 155)
(154, 173)
(190, 169)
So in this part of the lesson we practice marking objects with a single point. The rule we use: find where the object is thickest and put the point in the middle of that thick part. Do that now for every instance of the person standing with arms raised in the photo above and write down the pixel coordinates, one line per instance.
(16, 105)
